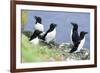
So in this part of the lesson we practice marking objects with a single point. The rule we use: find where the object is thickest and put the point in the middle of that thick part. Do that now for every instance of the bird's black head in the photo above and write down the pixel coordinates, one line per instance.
(75, 26)
(82, 34)
(38, 19)
(52, 25)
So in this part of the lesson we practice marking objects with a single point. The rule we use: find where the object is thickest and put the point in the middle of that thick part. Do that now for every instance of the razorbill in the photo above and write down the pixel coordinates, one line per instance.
(50, 34)
(34, 39)
(38, 24)
(79, 44)
(74, 33)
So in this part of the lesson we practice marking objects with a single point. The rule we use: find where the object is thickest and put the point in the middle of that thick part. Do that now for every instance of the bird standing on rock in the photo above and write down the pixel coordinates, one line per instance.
(74, 33)
(38, 30)
(79, 44)
(50, 33)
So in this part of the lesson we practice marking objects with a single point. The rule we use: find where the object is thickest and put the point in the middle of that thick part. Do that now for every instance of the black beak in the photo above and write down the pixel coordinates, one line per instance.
(85, 32)
(55, 25)
(35, 17)
(72, 24)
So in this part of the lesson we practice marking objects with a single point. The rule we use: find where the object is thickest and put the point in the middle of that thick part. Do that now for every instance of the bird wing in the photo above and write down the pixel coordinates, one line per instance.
(43, 37)
(74, 48)
(50, 36)
(35, 34)
(75, 37)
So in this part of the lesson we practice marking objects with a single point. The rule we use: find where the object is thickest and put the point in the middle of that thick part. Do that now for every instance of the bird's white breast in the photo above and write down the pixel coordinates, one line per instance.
(42, 33)
(39, 27)
(81, 44)
(50, 36)
(35, 41)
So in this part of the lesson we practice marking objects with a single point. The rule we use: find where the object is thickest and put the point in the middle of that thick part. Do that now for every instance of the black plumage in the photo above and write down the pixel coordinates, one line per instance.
(75, 35)
(75, 46)
(35, 34)
(38, 19)
(80, 42)
(51, 28)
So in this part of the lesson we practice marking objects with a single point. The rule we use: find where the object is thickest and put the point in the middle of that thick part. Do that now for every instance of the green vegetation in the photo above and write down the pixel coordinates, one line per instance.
(38, 53)
(27, 33)
(43, 52)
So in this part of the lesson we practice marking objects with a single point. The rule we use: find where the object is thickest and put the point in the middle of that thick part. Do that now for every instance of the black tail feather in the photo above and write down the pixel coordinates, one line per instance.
(73, 49)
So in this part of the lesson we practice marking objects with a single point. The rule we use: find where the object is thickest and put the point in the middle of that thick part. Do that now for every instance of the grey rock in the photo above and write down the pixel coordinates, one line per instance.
(82, 55)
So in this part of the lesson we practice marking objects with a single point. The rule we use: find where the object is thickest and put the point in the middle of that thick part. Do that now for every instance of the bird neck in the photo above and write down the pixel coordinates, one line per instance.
(52, 29)
(38, 22)
(81, 37)
(75, 29)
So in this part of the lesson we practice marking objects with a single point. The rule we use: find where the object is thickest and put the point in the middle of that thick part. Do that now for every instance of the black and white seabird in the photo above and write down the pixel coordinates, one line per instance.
(38, 24)
(34, 39)
(38, 29)
(74, 33)
(50, 34)
(79, 44)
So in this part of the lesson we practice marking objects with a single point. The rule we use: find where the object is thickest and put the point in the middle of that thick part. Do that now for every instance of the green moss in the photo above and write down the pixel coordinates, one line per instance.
(37, 53)
(43, 52)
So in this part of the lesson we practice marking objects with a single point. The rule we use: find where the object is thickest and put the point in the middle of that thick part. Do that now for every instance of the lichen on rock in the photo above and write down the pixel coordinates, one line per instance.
(82, 55)
(45, 52)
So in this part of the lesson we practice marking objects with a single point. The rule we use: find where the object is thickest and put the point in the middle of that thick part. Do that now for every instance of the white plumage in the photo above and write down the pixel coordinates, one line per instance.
(80, 45)
(50, 36)
(35, 41)
(42, 33)
(39, 27)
